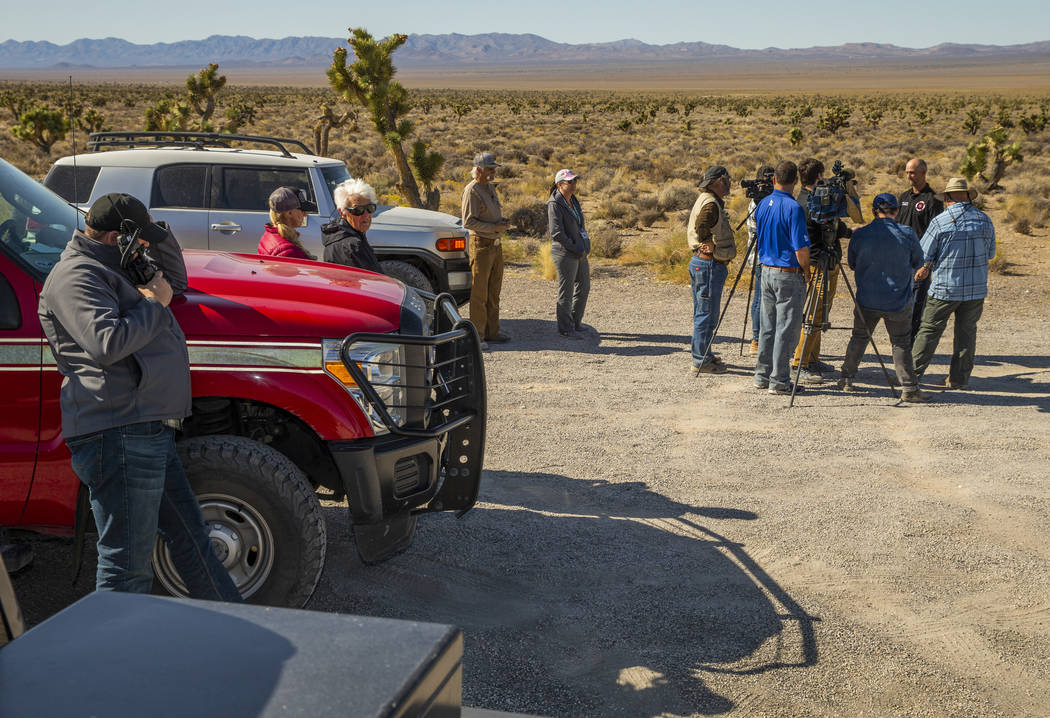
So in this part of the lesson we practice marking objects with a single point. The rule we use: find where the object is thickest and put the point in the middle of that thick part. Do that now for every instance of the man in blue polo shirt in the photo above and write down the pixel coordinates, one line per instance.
(957, 245)
(884, 256)
(783, 251)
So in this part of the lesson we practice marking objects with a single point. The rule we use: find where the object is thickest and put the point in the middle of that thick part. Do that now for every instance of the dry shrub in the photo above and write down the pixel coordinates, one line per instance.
(520, 250)
(669, 256)
(999, 264)
(543, 263)
(613, 208)
(1027, 211)
(677, 195)
(649, 217)
(606, 242)
(531, 220)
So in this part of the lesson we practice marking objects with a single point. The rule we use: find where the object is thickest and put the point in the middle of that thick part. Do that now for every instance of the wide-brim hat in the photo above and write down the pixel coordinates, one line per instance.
(959, 184)
(118, 212)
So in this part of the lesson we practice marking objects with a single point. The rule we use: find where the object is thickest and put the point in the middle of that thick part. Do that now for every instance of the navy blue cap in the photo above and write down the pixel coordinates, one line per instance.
(885, 202)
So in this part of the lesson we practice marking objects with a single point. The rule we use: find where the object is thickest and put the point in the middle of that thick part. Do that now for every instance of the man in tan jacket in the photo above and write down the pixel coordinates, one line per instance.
(483, 217)
(710, 237)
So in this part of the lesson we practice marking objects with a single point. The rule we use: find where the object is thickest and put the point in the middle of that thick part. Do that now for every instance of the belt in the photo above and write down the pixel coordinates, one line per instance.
(711, 257)
(796, 270)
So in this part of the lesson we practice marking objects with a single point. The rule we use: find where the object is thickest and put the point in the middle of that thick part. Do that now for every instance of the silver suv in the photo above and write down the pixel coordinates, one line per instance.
(214, 196)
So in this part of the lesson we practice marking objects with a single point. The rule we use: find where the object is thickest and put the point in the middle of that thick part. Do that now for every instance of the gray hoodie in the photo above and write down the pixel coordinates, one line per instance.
(565, 225)
(123, 356)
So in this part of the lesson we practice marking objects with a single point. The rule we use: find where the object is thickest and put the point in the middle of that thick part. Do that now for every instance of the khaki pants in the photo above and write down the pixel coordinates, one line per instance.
(812, 350)
(486, 267)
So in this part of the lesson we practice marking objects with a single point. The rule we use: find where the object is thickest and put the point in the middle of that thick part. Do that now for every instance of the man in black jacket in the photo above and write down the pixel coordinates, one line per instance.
(918, 206)
(125, 392)
(344, 240)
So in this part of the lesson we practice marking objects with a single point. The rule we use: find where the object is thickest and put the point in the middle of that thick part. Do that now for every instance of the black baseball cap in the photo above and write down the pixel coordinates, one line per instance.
(117, 212)
(286, 198)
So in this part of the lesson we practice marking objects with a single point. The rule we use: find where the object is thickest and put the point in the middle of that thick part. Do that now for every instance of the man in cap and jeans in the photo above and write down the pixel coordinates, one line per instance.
(710, 237)
(483, 217)
(125, 393)
(957, 247)
(884, 256)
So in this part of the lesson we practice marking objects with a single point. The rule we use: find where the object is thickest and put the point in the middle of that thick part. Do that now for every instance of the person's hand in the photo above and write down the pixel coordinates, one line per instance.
(158, 289)
(707, 247)
(502, 226)
(921, 273)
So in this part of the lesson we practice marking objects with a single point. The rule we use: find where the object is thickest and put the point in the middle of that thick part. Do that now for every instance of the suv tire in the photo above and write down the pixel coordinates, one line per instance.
(265, 520)
(405, 272)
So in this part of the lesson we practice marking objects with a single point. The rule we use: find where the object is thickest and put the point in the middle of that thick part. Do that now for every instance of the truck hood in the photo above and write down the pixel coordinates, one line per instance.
(410, 217)
(248, 295)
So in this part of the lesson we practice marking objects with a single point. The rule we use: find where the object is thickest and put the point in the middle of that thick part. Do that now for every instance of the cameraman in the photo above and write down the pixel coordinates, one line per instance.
(763, 187)
(811, 171)
(125, 392)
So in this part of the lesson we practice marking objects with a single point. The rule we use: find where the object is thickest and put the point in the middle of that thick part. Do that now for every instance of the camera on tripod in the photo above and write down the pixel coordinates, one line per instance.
(827, 202)
(759, 187)
(134, 257)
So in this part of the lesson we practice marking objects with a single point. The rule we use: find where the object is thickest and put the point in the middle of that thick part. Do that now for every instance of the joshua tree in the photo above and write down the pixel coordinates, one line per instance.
(973, 120)
(240, 114)
(994, 151)
(835, 117)
(795, 136)
(15, 103)
(91, 121)
(427, 166)
(201, 91)
(324, 124)
(370, 82)
(41, 127)
(168, 115)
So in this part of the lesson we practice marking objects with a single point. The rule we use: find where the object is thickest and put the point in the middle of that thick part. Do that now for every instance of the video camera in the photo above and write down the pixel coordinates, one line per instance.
(827, 201)
(758, 188)
(135, 260)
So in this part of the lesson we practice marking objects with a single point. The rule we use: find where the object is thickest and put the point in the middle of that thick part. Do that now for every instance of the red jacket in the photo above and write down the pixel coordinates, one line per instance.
(274, 245)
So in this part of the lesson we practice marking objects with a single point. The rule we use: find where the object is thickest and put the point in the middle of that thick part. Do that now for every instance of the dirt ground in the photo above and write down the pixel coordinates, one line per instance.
(650, 544)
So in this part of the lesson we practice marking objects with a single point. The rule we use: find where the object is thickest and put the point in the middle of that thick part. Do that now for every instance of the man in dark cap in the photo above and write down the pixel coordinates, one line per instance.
(710, 237)
(884, 257)
(125, 393)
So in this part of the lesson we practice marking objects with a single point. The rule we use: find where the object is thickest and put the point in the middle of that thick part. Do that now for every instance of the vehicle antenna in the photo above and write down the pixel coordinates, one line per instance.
(73, 137)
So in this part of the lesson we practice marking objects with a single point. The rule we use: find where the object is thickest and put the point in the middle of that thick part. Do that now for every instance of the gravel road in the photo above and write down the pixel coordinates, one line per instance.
(650, 544)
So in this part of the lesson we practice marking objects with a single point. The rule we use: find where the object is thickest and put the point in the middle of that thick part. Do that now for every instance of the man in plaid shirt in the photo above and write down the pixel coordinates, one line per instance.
(957, 246)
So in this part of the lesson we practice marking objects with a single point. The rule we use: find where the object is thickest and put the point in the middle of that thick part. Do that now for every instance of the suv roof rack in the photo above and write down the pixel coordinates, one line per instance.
(197, 140)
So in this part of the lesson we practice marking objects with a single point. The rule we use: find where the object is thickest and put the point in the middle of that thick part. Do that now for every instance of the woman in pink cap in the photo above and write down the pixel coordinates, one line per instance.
(570, 246)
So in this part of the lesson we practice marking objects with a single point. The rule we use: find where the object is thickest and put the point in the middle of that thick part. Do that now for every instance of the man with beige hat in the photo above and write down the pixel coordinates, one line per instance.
(483, 217)
(957, 247)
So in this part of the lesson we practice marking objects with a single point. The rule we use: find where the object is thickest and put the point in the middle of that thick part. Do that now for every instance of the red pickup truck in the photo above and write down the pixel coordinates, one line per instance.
(305, 375)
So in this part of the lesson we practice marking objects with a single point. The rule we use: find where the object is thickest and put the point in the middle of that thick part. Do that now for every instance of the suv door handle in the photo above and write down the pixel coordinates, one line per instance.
(226, 226)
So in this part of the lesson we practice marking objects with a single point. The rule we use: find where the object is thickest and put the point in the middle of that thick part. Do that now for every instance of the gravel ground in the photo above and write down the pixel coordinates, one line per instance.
(647, 543)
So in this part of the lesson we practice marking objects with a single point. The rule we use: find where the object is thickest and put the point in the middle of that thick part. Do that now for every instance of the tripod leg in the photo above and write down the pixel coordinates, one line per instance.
(747, 308)
(871, 337)
(807, 321)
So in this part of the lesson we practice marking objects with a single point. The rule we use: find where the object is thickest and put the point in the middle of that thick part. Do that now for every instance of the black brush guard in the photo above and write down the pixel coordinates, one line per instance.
(443, 376)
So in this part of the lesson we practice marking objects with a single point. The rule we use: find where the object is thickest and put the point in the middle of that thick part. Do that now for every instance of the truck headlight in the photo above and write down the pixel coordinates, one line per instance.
(383, 367)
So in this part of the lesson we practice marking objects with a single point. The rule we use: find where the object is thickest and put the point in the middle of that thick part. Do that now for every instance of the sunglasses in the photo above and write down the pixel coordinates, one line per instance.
(361, 209)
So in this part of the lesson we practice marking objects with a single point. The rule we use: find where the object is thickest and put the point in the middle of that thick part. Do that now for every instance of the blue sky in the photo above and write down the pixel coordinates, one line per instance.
(744, 23)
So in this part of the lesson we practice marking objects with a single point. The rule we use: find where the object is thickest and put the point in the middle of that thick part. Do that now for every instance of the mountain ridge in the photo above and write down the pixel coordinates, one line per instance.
(457, 50)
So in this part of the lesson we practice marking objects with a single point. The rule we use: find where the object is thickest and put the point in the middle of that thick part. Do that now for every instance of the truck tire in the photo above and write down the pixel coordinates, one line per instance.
(405, 272)
(265, 520)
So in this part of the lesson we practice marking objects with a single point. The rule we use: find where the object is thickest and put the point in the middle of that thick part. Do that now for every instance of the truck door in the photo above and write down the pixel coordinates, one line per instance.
(240, 206)
(21, 347)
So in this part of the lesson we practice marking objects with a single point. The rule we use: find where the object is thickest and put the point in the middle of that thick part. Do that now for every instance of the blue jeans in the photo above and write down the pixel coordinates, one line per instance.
(756, 302)
(707, 277)
(138, 488)
(783, 297)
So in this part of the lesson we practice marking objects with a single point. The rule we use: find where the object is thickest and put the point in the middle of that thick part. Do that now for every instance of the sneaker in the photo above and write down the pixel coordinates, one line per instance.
(845, 383)
(784, 389)
(484, 346)
(754, 347)
(570, 335)
(581, 327)
(761, 384)
(811, 376)
(500, 338)
(915, 396)
(948, 383)
(711, 367)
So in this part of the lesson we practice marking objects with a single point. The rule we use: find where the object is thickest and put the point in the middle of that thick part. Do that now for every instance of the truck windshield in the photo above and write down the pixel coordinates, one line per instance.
(333, 175)
(35, 223)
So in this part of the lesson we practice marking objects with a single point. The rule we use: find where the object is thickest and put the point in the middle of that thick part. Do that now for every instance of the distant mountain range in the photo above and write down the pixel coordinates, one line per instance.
(494, 49)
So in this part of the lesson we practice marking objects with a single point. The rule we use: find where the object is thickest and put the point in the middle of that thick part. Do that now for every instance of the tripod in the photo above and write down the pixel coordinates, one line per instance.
(818, 298)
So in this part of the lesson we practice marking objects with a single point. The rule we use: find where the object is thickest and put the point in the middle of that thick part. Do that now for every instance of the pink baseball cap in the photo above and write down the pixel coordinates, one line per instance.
(565, 176)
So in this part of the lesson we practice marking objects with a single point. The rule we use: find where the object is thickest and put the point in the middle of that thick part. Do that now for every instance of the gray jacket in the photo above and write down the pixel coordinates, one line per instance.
(565, 225)
(123, 356)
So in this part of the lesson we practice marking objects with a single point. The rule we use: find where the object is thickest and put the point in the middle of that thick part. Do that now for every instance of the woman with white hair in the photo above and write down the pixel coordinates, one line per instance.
(344, 240)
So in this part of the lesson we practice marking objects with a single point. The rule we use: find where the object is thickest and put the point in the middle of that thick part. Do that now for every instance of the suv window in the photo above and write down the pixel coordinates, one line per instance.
(334, 175)
(249, 188)
(180, 186)
(60, 181)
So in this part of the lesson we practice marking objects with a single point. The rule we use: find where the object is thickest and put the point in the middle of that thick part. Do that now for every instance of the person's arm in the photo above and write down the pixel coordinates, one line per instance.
(930, 245)
(990, 242)
(851, 254)
(706, 220)
(473, 208)
(802, 255)
(556, 224)
(916, 249)
(168, 254)
(89, 310)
